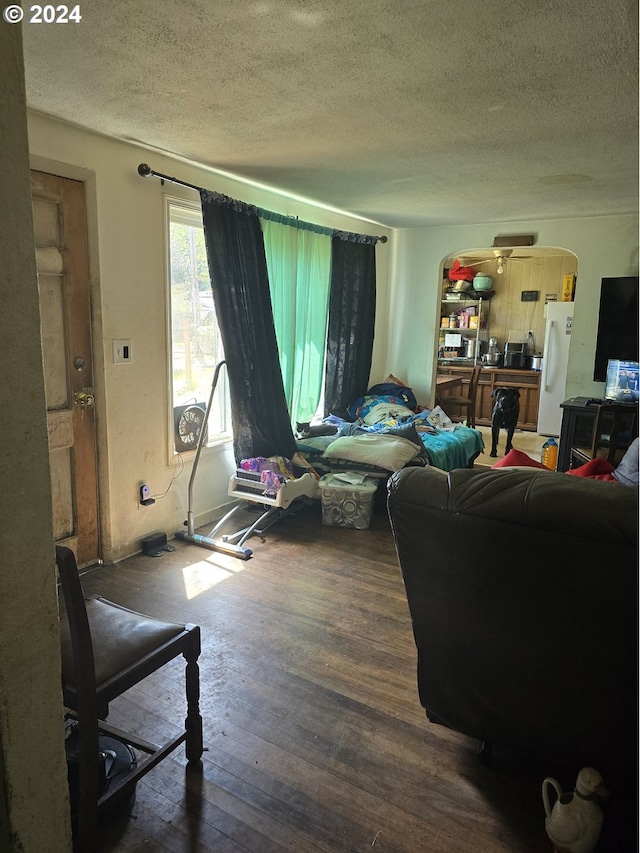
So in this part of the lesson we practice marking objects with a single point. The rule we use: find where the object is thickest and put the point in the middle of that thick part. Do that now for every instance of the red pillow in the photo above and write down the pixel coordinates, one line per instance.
(596, 469)
(517, 457)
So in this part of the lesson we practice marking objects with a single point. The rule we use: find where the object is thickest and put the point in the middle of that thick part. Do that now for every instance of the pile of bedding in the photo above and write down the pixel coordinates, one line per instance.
(387, 432)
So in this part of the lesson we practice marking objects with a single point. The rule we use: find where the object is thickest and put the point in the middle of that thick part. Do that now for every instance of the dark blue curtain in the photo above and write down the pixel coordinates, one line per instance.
(352, 313)
(239, 279)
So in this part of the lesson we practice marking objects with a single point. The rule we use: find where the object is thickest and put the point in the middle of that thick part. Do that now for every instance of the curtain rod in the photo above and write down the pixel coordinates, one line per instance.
(146, 171)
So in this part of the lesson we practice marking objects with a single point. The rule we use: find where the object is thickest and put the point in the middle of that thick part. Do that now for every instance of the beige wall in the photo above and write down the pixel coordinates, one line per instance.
(509, 312)
(33, 786)
(127, 258)
(603, 245)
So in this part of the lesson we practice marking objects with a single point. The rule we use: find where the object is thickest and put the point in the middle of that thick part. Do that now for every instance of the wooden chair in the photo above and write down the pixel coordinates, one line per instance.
(106, 649)
(468, 403)
(614, 428)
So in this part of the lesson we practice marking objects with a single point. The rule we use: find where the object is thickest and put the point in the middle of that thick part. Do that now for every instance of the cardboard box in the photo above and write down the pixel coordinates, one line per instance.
(568, 288)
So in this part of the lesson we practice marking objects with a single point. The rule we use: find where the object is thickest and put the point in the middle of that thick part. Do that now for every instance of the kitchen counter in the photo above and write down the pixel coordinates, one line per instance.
(525, 380)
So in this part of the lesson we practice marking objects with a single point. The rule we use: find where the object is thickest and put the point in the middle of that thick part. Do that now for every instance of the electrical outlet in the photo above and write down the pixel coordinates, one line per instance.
(121, 352)
(145, 495)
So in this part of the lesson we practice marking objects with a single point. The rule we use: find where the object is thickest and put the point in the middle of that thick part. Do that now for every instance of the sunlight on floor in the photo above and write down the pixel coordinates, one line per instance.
(205, 574)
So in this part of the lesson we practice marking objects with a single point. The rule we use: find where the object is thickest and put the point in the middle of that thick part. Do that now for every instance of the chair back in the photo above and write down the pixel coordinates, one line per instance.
(473, 384)
(614, 429)
(84, 686)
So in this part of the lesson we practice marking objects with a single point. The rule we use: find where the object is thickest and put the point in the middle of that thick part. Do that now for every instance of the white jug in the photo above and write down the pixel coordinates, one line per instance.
(574, 823)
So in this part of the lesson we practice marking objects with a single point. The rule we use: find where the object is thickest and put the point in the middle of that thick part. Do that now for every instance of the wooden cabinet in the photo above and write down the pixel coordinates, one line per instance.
(578, 419)
(526, 381)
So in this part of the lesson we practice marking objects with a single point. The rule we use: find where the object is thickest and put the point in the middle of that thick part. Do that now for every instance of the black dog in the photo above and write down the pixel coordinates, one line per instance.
(506, 411)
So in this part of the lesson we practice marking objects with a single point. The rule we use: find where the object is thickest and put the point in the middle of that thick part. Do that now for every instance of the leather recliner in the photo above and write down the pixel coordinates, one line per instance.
(522, 587)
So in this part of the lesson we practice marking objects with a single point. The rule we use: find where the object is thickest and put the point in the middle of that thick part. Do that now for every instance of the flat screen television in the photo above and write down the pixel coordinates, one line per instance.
(621, 384)
(617, 323)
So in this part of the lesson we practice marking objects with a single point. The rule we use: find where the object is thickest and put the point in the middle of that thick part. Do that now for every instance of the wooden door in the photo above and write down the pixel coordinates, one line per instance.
(63, 277)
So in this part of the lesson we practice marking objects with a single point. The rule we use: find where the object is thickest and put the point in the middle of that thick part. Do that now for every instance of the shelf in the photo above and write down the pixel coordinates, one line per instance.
(467, 332)
(474, 296)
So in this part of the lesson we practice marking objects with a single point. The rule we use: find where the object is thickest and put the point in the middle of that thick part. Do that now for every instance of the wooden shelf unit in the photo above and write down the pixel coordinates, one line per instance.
(526, 381)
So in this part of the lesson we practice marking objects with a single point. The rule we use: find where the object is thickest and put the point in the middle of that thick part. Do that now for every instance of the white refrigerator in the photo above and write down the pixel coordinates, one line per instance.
(557, 338)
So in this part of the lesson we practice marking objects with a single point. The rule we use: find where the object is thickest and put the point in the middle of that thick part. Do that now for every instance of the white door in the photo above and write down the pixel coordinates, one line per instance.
(63, 278)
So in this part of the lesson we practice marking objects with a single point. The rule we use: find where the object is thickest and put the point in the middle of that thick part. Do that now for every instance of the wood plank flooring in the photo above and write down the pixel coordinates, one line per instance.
(315, 737)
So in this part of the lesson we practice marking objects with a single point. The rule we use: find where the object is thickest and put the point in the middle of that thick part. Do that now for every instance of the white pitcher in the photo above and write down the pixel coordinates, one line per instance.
(574, 823)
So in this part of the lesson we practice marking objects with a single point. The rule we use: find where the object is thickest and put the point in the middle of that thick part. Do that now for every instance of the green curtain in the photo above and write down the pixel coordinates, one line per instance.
(299, 266)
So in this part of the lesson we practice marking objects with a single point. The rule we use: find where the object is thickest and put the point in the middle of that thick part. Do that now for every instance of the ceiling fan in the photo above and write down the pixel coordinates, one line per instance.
(500, 256)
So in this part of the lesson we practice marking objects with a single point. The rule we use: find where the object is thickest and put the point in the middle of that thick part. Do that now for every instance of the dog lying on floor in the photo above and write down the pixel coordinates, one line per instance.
(506, 411)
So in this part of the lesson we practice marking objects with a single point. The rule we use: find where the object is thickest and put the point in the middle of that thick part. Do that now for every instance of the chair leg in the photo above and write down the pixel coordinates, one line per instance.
(193, 721)
(88, 786)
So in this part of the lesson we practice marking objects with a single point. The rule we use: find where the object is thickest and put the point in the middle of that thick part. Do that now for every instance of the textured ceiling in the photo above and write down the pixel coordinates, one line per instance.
(405, 113)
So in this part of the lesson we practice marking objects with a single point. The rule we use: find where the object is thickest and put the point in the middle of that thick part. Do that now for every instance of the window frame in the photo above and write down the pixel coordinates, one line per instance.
(219, 441)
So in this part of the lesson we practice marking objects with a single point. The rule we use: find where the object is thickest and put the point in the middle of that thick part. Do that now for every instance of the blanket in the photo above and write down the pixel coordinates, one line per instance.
(385, 436)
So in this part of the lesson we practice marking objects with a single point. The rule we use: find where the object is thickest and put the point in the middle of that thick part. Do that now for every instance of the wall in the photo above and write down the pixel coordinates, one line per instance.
(127, 258)
(34, 815)
(604, 246)
(542, 273)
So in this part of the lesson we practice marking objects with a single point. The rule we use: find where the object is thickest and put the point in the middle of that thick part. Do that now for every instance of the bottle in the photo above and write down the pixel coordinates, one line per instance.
(453, 321)
(531, 344)
(549, 455)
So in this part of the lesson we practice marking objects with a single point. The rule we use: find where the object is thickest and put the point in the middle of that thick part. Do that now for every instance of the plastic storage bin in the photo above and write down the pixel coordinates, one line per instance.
(346, 504)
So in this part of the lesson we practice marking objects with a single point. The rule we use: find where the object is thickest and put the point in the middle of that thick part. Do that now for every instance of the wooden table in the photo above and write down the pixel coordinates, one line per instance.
(446, 383)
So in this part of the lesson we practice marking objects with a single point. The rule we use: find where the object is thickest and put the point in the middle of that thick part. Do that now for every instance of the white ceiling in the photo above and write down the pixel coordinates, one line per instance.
(408, 114)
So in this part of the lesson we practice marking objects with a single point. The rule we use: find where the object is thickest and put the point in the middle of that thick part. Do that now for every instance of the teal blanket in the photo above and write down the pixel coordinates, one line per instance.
(455, 449)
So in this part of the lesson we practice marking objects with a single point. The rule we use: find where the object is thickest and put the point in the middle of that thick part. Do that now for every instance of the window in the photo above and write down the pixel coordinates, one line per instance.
(196, 345)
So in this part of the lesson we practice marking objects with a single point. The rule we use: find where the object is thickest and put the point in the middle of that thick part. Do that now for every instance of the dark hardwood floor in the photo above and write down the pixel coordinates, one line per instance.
(315, 737)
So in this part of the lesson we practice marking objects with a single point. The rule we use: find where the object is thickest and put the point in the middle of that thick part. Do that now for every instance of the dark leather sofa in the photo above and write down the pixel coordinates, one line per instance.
(523, 592)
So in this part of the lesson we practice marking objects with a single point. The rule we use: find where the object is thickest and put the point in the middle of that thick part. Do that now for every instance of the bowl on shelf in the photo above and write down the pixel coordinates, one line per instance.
(482, 282)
